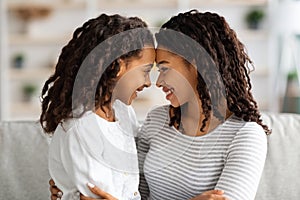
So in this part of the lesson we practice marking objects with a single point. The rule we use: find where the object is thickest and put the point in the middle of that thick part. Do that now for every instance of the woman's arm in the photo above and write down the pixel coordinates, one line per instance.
(244, 163)
(211, 195)
(143, 148)
(98, 192)
(56, 193)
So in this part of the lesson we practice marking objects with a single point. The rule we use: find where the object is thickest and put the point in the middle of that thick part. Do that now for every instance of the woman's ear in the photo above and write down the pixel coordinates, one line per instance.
(122, 65)
(193, 67)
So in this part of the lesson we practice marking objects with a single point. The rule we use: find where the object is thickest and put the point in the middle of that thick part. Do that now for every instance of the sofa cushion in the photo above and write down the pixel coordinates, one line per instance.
(280, 179)
(23, 161)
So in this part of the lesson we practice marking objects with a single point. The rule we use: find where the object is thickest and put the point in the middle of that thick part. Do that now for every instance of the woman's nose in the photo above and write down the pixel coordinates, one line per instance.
(159, 81)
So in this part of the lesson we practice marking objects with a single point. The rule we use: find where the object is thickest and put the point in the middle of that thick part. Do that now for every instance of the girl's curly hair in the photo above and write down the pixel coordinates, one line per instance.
(88, 65)
(221, 60)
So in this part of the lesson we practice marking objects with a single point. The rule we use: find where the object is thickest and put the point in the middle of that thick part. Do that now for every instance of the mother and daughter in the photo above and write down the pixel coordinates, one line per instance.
(209, 143)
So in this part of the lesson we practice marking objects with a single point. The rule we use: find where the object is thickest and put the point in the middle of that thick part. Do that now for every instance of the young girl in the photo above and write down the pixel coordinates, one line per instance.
(86, 106)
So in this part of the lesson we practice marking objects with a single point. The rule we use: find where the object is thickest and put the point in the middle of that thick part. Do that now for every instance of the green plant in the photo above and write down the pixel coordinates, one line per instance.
(18, 60)
(19, 57)
(254, 17)
(293, 75)
(29, 89)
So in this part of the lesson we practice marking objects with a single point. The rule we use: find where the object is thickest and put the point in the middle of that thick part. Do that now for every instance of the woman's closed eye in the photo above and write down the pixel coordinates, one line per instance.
(162, 68)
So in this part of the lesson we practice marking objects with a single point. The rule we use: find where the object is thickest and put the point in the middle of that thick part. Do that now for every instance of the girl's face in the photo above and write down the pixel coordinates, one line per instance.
(177, 78)
(134, 76)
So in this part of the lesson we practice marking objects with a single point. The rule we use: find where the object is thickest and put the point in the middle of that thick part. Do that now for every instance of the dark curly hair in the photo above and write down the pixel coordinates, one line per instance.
(221, 60)
(88, 65)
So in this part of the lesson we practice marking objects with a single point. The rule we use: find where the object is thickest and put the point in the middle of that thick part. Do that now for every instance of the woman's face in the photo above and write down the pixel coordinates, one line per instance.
(177, 78)
(134, 76)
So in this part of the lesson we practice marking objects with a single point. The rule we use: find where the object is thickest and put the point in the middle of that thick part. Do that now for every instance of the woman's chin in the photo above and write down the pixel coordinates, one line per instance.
(175, 104)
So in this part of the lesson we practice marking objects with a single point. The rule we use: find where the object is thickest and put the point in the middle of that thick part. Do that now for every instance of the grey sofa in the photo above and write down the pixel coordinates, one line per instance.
(24, 148)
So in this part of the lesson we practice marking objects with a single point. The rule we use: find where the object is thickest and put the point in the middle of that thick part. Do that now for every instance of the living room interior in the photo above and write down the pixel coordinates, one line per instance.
(33, 32)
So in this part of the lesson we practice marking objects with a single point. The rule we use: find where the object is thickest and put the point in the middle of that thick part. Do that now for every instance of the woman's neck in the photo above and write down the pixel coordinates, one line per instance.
(192, 117)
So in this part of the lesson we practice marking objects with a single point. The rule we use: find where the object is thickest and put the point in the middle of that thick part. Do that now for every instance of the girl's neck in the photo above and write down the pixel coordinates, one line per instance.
(106, 113)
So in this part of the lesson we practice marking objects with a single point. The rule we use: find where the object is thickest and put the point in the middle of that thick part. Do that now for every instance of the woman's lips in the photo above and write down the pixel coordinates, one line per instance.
(169, 92)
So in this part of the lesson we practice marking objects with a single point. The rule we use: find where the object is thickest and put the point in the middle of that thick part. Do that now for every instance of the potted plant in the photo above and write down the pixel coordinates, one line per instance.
(292, 75)
(28, 91)
(254, 18)
(291, 101)
(18, 60)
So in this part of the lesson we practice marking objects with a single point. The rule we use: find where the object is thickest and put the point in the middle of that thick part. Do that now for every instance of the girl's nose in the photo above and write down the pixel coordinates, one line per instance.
(147, 82)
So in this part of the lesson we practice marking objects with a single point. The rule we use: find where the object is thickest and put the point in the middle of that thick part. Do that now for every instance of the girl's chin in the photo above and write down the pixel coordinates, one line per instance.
(132, 98)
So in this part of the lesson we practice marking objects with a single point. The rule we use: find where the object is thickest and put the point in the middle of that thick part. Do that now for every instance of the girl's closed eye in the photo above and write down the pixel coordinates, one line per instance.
(147, 71)
(148, 68)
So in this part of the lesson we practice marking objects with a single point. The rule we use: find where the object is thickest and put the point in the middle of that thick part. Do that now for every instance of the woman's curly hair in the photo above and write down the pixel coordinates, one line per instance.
(221, 60)
(88, 65)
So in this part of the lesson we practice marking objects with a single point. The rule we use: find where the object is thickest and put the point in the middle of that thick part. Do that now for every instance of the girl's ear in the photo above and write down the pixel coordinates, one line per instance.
(122, 65)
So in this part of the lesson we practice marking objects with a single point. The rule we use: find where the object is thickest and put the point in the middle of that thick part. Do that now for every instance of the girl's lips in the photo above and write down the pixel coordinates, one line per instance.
(165, 89)
(135, 94)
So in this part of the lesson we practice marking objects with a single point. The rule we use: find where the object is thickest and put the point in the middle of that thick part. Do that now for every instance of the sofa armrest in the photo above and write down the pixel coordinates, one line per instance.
(24, 161)
(280, 179)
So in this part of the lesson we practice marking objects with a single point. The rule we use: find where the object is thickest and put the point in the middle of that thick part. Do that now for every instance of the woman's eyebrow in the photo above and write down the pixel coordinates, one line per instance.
(162, 62)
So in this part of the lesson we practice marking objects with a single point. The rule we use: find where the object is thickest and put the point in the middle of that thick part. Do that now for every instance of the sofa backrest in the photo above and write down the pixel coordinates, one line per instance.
(24, 164)
(281, 175)
(23, 161)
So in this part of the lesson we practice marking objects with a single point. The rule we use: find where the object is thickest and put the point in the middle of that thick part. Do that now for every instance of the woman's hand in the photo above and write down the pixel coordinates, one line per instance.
(94, 189)
(211, 195)
(56, 193)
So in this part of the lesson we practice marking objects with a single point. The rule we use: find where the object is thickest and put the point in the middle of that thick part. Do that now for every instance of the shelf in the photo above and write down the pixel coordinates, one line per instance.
(41, 43)
(137, 4)
(14, 6)
(30, 40)
(260, 71)
(29, 74)
(25, 110)
(248, 34)
(219, 3)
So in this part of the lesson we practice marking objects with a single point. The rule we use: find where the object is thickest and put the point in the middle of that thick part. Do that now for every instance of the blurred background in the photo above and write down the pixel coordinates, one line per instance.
(33, 32)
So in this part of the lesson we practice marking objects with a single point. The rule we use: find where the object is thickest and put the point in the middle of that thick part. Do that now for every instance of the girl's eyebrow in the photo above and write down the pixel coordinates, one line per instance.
(148, 65)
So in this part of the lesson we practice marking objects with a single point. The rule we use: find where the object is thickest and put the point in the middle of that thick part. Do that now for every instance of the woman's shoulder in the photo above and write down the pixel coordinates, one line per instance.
(157, 115)
(162, 110)
(247, 131)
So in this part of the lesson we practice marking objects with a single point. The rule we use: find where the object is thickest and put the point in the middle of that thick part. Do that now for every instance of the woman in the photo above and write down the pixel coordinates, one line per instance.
(86, 106)
(211, 136)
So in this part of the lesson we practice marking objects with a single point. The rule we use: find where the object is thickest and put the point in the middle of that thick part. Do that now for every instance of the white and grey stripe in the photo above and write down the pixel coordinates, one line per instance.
(178, 167)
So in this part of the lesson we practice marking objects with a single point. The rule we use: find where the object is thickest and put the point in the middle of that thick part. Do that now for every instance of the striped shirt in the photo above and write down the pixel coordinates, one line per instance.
(178, 167)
